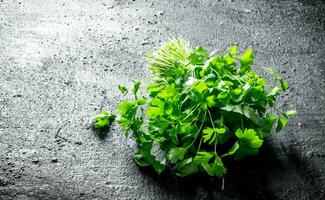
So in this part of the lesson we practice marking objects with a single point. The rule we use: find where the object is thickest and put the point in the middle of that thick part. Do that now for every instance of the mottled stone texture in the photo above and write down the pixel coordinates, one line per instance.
(61, 62)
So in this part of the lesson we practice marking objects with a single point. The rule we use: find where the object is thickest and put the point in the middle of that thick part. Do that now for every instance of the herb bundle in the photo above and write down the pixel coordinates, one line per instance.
(201, 108)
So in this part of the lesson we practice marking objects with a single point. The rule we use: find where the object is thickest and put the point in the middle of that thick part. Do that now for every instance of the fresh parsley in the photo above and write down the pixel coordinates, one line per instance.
(102, 122)
(200, 109)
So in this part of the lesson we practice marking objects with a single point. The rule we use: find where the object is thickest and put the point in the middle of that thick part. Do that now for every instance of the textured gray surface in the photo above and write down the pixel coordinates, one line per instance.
(61, 62)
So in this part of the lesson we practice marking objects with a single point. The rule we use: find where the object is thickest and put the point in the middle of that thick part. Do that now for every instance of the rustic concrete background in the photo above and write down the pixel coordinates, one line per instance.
(61, 62)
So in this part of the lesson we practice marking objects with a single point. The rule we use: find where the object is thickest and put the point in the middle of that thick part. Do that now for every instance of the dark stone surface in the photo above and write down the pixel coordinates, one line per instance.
(61, 62)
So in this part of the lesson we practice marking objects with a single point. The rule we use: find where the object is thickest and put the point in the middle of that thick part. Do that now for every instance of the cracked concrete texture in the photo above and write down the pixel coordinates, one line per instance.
(61, 62)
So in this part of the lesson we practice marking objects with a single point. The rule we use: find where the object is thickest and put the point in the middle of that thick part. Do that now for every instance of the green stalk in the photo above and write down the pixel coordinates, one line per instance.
(242, 122)
(198, 133)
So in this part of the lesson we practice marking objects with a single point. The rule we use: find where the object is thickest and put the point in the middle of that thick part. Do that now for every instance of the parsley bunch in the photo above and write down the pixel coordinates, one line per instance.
(201, 108)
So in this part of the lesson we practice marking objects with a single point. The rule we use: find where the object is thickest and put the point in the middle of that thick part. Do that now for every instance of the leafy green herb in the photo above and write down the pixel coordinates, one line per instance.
(122, 89)
(201, 108)
(102, 122)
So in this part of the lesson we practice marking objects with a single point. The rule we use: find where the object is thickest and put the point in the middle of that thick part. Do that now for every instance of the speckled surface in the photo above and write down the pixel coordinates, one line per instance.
(61, 62)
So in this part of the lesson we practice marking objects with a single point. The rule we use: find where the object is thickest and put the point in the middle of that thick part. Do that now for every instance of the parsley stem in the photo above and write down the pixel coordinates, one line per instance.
(185, 99)
(217, 73)
(239, 81)
(223, 184)
(193, 109)
(198, 149)
(211, 119)
(242, 122)
(215, 142)
(198, 133)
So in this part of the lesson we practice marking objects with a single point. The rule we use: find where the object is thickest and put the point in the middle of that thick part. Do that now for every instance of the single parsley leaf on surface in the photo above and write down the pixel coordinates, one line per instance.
(102, 122)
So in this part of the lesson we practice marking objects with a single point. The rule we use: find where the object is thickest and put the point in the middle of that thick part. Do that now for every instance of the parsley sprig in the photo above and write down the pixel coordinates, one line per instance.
(200, 109)
(102, 122)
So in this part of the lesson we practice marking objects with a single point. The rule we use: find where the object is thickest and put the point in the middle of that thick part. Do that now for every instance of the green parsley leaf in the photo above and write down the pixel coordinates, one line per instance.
(216, 168)
(122, 89)
(102, 122)
(290, 114)
(282, 122)
(284, 84)
(135, 88)
(198, 56)
(246, 60)
(176, 153)
(233, 50)
(249, 143)
(202, 157)
(200, 86)
(232, 150)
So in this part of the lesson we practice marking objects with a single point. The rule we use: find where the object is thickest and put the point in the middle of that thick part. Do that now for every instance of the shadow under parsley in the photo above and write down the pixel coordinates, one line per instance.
(245, 179)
